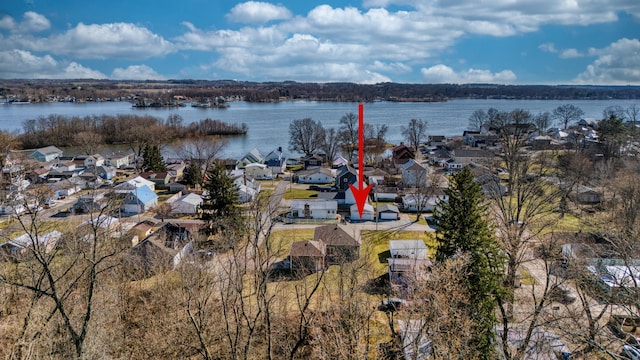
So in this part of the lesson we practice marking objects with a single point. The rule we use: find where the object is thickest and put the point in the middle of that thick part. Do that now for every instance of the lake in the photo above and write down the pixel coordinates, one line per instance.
(269, 122)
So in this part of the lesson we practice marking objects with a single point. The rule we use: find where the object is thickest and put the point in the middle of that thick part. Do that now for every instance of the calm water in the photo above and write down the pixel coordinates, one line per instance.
(269, 123)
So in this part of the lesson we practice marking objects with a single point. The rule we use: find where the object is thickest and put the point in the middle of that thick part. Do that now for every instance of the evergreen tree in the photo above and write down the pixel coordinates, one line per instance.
(463, 229)
(220, 204)
(193, 174)
(153, 160)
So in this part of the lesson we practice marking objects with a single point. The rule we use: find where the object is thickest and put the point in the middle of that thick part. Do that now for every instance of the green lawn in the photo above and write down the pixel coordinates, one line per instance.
(300, 194)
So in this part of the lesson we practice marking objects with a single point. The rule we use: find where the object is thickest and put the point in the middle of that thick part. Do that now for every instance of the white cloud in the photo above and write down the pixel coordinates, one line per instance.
(20, 64)
(136, 72)
(548, 47)
(258, 12)
(616, 64)
(440, 74)
(104, 41)
(33, 22)
(570, 54)
(7, 22)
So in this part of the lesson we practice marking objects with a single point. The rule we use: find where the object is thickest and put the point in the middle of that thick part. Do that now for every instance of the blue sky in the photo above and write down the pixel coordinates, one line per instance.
(363, 41)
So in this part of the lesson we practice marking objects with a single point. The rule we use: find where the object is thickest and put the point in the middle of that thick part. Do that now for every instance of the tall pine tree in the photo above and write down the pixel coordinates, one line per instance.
(463, 229)
(220, 204)
(152, 159)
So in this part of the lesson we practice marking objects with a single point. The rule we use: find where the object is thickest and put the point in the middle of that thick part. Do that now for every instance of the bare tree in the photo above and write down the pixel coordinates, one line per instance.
(477, 120)
(306, 135)
(614, 110)
(66, 281)
(200, 151)
(331, 144)
(89, 141)
(542, 122)
(566, 114)
(632, 113)
(348, 134)
(415, 132)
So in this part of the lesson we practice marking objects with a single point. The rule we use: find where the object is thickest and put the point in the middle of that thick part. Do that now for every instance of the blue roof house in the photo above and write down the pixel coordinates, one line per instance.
(139, 200)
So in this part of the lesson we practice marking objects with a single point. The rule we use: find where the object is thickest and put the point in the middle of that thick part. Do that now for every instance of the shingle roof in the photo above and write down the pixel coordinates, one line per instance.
(334, 235)
(144, 194)
(309, 248)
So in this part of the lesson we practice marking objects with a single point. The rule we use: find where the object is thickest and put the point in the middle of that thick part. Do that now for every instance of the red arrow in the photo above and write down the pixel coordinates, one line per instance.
(361, 193)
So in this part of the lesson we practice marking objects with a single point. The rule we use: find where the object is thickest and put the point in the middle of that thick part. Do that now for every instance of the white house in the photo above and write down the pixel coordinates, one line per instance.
(414, 174)
(410, 249)
(186, 204)
(258, 171)
(46, 154)
(426, 203)
(64, 188)
(131, 184)
(316, 176)
(120, 159)
(253, 156)
(94, 160)
(246, 193)
(139, 200)
(367, 212)
(310, 209)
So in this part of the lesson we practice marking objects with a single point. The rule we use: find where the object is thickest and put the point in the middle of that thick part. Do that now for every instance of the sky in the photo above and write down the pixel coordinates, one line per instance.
(516, 42)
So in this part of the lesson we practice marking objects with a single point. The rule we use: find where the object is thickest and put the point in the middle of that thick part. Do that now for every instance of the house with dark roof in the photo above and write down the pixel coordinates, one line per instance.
(346, 175)
(340, 246)
(307, 256)
(402, 153)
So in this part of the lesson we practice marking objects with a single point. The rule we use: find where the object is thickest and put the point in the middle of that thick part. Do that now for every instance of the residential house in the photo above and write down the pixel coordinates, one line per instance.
(93, 201)
(251, 157)
(176, 169)
(139, 200)
(316, 176)
(87, 180)
(436, 141)
(120, 159)
(423, 202)
(63, 188)
(402, 153)
(340, 246)
(138, 181)
(46, 154)
(106, 172)
(345, 176)
(586, 195)
(314, 209)
(246, 193)
(187, 204)
(388, 212)
(94, 160)
(312, 161)
(258, 171)
(408, 258)
(18, 247)
(415, 174)
(367, 213)
(307, 256)
(276, 161)
(160, 179)
(339, 161)
(468, 156)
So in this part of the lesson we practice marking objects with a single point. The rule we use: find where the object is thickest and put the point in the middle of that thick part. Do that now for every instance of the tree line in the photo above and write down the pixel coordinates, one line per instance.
(120, 129)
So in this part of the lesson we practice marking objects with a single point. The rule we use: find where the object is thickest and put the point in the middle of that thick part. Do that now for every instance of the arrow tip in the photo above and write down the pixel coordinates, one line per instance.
(360, 196)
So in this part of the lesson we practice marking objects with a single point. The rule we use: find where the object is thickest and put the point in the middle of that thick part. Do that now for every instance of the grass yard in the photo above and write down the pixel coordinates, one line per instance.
(300, 194)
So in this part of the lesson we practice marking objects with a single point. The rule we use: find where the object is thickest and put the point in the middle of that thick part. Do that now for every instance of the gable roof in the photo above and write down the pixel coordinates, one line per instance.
(48, 150)
(334, 235)
(191, 198)
(388, 208)
(413, 165)
(310, 248)
(144, 194)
